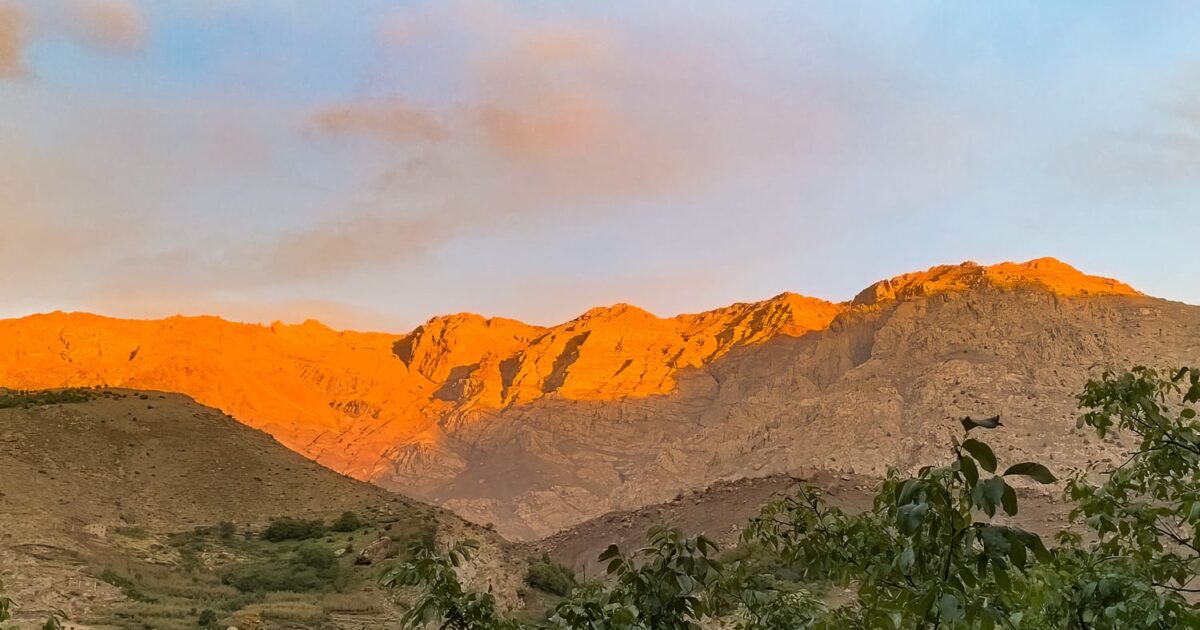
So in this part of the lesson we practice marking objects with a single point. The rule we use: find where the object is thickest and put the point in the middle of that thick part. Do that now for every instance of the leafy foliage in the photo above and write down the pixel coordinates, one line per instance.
(671, 584)
(443, 601)
(1146, 512)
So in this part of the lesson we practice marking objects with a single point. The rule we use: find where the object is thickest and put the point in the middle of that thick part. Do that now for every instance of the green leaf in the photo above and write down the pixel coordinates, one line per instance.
(1033, 470)
(611, 552)
(982, 453)
(1009, 500)
(1016, 551)
(909, 518)
(907, 490)
(995, 541)
(969, 471)
(1001, 575)
(625, 615)
(906, 561)
(951, 611)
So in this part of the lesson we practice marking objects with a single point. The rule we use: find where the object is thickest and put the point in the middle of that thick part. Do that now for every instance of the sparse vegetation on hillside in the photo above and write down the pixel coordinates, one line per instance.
(933, 552)
(10, 398)
(311, 567)
(136, 519)
(287, 528)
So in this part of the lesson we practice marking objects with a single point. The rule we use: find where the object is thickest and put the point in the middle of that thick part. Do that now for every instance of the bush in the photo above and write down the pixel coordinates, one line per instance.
(315, 556)
(549, 577)
(347, 522)
(225, 530)
(312, 567)
(286, 528)
(208, 618)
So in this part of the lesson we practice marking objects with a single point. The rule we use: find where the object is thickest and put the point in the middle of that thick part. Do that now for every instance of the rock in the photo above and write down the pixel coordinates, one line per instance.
(375, 552)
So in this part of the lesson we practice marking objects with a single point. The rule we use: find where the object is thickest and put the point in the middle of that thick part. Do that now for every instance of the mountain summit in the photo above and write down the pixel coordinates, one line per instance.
(537, 428)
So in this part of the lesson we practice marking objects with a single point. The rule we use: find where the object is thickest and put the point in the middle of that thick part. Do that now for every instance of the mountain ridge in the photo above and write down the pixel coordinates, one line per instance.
(426, 411)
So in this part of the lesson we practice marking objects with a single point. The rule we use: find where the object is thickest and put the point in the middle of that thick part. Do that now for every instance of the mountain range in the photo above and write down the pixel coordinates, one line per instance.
(534, 429)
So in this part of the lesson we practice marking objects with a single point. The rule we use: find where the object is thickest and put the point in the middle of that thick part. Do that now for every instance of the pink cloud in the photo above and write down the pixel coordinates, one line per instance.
(394, 121)
(12, 35)
(113, 24)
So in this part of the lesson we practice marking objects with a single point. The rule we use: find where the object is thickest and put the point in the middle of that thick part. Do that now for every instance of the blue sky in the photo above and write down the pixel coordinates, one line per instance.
(374, 163)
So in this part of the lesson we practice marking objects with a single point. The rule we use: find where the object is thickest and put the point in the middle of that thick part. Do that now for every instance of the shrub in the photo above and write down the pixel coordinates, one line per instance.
(347, 522)
(225, 530)
(316, 556)
(286, 528)
(550, 577)
(312, 567)
(208, 618)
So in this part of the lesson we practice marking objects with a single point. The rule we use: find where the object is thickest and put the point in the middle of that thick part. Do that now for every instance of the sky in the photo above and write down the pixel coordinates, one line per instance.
(372, 164)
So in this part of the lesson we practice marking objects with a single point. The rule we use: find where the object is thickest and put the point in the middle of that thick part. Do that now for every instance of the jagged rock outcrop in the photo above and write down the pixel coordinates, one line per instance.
(537, 428)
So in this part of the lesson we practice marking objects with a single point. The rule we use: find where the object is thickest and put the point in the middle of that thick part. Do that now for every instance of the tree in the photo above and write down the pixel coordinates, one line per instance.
(671, 584)
(1145, 514)
(928, 554)
(442, 601)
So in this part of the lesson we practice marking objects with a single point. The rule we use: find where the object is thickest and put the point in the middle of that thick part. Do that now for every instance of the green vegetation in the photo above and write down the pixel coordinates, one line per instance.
(287, 528)
(550, 577)
(934, 551)
(247, 580)
(312, 567)
(38, 398)
(347, 522)
(128, 587)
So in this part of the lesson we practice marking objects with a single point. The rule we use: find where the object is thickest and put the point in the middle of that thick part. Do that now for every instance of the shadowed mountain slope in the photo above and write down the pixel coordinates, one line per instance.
(113, 484)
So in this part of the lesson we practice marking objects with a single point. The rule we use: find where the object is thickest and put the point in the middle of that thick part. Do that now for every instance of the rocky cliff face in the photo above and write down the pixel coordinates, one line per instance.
(537, 428)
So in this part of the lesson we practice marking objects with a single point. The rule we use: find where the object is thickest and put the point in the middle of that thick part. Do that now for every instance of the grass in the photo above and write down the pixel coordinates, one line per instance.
(239, 576)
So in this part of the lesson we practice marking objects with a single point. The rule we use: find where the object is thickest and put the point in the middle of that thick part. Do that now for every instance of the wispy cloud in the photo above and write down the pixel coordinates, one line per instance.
(115, 24)
(13, 23)
(110, 25)
(569, 118)
(394, 121)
